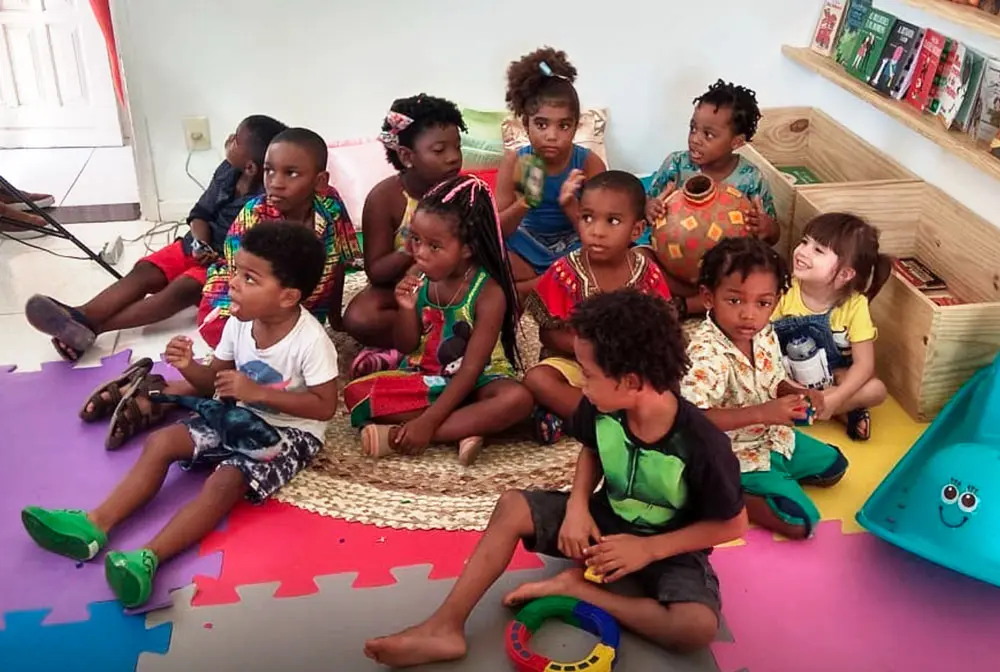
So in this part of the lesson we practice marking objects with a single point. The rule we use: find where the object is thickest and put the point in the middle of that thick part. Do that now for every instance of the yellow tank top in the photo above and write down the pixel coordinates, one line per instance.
(403, 232)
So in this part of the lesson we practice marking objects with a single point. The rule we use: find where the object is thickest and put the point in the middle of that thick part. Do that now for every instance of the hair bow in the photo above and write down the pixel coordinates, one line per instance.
(398, 123)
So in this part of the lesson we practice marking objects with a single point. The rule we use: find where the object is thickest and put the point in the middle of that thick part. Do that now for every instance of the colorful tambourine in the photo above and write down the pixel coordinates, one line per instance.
(574, 612)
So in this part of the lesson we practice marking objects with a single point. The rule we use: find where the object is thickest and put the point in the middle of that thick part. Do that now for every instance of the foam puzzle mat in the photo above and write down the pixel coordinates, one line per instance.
(282, 586)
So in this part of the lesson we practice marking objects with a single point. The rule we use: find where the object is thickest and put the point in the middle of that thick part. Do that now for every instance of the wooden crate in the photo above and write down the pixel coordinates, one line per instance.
(806, 136)
(925, 352)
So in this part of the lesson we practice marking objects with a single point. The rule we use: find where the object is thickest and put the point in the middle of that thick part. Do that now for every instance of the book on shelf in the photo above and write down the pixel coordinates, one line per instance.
(986, 120)
(975, 61)
(947, 57)
(897, 58)
(917, 274)
(951, 91)
(872, 39)
(854, 18)
(828, 27)
(925, 70)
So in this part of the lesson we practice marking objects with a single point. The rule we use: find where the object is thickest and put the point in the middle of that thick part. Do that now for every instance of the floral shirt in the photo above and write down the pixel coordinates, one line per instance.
(721, 376)
(746, 177)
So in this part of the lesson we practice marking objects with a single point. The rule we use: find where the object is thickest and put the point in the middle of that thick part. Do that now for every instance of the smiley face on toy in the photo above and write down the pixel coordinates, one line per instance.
(958, 505)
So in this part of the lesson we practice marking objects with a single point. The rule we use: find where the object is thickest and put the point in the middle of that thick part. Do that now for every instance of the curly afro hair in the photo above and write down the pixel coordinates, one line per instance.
(295, 253)
(634, 333)
(743, 255)
(741, 100)
(529, 87)
(426, 112)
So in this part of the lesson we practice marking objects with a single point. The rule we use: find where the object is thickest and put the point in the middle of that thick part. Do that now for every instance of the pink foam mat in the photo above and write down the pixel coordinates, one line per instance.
(850, 602)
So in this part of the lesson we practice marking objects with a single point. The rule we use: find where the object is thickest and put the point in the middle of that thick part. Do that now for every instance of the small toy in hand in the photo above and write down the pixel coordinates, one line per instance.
(810, 414)
(592, 575)
(532, 179)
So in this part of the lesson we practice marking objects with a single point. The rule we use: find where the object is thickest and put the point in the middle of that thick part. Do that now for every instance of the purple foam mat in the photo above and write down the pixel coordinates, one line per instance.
(51, 458)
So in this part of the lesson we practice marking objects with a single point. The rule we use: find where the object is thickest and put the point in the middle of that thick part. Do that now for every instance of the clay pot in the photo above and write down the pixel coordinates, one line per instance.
(697, 217)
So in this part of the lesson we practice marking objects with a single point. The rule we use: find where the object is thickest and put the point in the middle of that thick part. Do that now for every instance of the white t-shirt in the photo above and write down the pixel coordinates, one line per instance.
(306, 357)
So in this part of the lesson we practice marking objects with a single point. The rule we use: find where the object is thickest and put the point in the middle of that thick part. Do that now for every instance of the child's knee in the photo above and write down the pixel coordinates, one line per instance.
(226, 484)
(877, 391)
(699, 629)
(511, 506)
(170, 444)
(518, 401)
(540, 379)
(832, 474)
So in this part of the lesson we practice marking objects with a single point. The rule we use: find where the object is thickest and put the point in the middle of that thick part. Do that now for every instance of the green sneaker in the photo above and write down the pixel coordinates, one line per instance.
(64, 531)
(130, 575)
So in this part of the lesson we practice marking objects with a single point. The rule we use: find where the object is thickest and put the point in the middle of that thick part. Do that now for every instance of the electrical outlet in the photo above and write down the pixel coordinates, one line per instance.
(196, 134)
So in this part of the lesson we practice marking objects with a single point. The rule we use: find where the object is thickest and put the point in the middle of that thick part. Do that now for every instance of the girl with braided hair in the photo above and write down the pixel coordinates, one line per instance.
(457, 319)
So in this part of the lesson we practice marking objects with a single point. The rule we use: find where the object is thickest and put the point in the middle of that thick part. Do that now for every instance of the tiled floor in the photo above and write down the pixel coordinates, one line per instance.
(25, 271)
(74, 176)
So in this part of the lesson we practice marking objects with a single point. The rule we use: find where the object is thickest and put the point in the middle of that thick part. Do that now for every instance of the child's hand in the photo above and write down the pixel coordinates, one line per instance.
(179, 353)
(656, 207)
(414, 437)
(234, 384)
(571, 187)
(205, 256)
(406, 291)
(830, 401)
(785, 410)
(577, 532)
(619, 555)
(818, 401)
(758, 222)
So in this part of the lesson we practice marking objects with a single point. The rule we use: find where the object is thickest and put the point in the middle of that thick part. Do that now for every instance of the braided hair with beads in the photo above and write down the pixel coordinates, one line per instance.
(468, 199)
(741, 100)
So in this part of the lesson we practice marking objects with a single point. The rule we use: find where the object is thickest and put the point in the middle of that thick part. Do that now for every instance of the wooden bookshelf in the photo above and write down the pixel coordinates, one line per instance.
(959, 144)
(963, 15)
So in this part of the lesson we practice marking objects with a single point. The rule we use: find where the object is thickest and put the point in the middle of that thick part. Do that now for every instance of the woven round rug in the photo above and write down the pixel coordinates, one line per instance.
(430, 491)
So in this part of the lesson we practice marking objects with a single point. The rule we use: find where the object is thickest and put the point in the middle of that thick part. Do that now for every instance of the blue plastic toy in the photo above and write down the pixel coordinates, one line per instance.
(942, 501)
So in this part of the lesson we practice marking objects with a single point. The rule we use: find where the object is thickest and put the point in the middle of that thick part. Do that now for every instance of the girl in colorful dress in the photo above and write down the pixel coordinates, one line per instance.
(540, 92)
(422, 142)
(457, 320)
(837, 270)
(611, 218)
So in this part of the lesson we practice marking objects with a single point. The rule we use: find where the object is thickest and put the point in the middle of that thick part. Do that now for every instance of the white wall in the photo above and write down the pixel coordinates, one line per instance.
(335, 66)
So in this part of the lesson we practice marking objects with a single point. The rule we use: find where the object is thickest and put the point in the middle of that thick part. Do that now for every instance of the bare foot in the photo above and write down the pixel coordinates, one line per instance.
(468, 449)
(564, 583)
(428, 642)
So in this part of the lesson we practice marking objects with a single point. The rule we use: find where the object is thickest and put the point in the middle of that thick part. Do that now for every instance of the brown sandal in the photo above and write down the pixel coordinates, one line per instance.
(128, 418)
(107, 397)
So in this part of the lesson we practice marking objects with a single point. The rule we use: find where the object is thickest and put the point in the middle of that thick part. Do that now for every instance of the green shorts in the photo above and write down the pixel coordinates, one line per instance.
(812, 463)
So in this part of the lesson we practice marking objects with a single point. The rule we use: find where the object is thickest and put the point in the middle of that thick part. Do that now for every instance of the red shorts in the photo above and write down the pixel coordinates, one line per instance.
(211, 332)
(173, 263)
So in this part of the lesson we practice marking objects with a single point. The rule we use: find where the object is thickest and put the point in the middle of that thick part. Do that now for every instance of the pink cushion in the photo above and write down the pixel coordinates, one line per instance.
(355, 167)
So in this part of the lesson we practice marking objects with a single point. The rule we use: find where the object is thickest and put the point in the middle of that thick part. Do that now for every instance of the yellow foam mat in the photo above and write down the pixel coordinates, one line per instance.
(893, 432)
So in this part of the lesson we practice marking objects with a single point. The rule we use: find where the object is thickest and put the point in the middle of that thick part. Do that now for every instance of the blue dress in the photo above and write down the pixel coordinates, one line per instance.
(546, 233)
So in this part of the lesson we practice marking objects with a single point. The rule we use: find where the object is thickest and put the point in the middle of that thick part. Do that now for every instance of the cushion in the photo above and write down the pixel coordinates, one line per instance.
(483, 125)
(590, 134)
(481, 153)
(355, 167)
(488, 175)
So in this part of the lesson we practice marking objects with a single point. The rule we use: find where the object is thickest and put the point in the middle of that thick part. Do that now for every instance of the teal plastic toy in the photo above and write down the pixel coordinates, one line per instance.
(942, 501)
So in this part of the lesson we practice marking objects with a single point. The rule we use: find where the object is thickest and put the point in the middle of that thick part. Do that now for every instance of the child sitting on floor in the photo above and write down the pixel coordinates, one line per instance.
(837, 270)
(276, 363)
(725, 118)
(737, 376)
(422, 142)
(296, 190)
(540, 93)
(171, 279)
(612, 204)
(296, 193)
(457, 319)
(671, 492)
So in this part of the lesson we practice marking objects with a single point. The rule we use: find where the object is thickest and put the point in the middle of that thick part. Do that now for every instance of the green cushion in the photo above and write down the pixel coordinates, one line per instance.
(484, 124)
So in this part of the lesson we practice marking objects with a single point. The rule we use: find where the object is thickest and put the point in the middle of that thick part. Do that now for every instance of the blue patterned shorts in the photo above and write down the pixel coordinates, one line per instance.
(293, 453)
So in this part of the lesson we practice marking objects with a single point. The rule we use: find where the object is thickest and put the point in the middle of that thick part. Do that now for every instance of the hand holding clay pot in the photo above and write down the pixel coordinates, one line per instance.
(697, 217)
